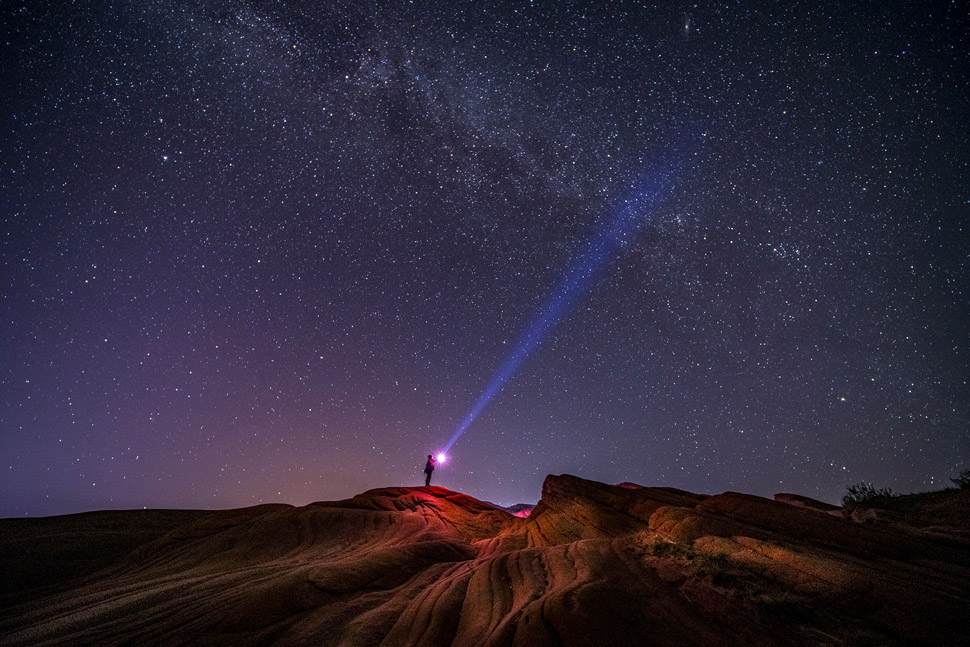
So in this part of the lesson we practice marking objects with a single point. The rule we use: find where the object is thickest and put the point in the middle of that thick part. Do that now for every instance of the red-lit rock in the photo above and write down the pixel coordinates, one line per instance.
(593, 565)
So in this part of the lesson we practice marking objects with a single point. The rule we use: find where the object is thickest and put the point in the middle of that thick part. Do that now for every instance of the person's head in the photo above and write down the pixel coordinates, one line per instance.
(429, 457)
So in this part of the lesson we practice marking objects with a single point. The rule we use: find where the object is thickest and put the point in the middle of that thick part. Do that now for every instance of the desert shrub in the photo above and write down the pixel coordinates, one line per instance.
(712, 565)
(663, 548)
(866, 494)
(962, 480)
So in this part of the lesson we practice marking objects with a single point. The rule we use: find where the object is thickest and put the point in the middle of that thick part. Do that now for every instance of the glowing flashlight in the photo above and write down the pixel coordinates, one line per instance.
(441, 458)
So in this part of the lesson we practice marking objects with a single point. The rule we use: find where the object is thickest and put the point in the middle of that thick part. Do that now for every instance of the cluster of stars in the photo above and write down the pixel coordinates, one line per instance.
(262, 253)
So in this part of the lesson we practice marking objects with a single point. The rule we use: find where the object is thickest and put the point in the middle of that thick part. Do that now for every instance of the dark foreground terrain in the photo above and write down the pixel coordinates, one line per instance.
(593, 565)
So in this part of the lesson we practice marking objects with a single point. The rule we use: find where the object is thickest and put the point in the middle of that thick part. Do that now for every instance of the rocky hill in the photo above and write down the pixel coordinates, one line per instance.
(592, 565)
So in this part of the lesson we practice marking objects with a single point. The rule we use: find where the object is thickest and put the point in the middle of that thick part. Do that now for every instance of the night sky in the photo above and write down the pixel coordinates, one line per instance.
(276, 251)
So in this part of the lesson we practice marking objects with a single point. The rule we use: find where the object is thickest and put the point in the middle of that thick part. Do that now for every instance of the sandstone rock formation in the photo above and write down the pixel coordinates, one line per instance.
(592, 565)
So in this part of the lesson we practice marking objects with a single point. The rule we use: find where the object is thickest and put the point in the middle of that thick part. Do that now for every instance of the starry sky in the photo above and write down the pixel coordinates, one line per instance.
(275, 251)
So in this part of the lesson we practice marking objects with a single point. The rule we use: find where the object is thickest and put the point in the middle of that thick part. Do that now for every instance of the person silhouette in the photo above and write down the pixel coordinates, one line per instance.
(428, 468)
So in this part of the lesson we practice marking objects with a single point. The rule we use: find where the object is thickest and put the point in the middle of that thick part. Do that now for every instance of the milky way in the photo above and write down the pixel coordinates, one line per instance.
(274, 251)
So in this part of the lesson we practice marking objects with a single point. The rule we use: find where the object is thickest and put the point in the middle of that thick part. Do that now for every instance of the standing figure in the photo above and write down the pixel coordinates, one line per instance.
(428, 468)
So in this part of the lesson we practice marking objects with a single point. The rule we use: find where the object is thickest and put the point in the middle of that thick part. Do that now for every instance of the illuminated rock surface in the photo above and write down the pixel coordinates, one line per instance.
(593, 565)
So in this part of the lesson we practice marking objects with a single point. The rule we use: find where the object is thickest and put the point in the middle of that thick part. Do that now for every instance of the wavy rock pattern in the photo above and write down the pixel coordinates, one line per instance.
(592, 565)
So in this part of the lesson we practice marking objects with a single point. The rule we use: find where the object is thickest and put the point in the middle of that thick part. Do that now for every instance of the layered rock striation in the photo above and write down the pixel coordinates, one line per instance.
(592, 565)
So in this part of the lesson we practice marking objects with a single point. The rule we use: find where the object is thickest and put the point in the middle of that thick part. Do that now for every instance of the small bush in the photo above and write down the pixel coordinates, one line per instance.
(663, 548)
(712, 565)
(866, 494)
(962, 481)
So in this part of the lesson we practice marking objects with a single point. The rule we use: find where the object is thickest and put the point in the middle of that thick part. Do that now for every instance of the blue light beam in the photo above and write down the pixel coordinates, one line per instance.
(646, 194)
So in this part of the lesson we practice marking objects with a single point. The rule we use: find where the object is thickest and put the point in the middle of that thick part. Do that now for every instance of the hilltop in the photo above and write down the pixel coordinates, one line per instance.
(593, 564)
